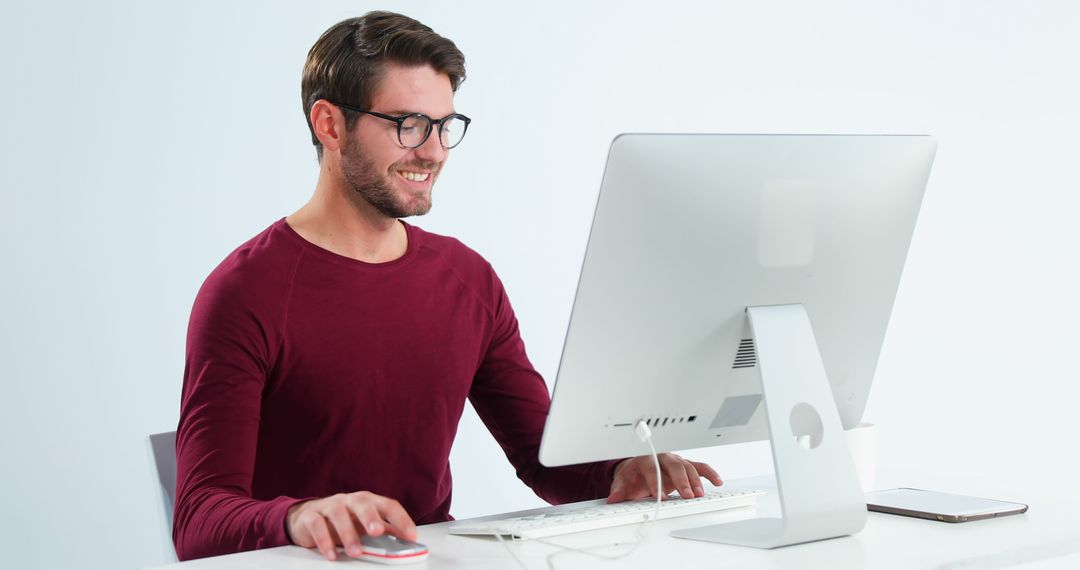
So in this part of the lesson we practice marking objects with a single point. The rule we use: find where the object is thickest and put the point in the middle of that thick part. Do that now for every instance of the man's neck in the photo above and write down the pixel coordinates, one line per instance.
(351, 228)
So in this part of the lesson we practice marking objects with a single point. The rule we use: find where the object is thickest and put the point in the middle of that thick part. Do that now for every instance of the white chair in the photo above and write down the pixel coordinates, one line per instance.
(162, 447)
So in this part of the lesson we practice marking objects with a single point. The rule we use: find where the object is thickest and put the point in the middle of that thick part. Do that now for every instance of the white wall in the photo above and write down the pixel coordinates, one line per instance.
(142, 141)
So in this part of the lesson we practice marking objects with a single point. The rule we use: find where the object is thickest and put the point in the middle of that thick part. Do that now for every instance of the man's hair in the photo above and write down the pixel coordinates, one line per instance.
(347, 62)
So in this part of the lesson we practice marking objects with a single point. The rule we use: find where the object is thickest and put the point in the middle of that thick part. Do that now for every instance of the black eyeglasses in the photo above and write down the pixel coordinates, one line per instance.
(414, 129)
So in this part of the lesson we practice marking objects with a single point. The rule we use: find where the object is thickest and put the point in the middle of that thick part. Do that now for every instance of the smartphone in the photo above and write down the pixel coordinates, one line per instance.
(389, 549)
(939, 506)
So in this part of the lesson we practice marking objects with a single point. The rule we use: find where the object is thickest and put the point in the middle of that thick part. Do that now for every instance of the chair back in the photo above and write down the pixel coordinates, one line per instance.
(162, 448)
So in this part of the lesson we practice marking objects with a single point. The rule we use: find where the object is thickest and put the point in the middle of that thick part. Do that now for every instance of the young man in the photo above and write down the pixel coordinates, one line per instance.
(329, 357)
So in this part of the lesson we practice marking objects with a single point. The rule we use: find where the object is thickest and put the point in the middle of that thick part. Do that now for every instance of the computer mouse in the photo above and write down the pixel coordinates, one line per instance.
(389, 549)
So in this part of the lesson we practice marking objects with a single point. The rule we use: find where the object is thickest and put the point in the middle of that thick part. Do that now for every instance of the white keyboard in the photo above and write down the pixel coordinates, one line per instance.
(591, 515)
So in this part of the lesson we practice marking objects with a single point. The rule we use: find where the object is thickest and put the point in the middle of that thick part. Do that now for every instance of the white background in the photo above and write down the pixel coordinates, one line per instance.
(142, 141)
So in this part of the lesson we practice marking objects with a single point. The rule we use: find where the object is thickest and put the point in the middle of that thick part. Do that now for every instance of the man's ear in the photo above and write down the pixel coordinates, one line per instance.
(328, 123)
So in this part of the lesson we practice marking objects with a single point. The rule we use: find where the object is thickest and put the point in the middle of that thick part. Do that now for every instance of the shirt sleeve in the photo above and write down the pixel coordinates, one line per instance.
(231, 345)
(511, 398)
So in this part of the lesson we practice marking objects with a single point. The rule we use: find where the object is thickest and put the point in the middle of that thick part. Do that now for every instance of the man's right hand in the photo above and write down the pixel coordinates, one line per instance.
(341, 519)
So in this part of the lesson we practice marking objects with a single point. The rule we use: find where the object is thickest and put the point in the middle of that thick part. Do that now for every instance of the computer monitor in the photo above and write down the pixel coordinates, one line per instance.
(738, 288)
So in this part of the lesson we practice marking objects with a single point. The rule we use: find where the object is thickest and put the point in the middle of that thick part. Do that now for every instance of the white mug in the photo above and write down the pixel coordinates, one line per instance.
(862, 443)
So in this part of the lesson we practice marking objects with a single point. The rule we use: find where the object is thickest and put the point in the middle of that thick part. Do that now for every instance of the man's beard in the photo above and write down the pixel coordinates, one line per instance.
(376, 189)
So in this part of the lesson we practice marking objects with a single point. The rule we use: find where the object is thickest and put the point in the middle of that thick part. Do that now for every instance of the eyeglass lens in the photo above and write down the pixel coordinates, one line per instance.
(415, 128)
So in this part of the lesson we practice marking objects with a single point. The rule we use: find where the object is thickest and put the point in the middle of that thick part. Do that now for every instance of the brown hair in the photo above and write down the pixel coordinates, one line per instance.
(346, 63)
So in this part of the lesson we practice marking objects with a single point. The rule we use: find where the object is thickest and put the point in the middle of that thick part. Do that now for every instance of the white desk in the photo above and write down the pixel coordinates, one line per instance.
(1047, 537)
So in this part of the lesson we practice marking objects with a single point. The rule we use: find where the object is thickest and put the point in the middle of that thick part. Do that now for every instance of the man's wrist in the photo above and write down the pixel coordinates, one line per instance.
(293, 510)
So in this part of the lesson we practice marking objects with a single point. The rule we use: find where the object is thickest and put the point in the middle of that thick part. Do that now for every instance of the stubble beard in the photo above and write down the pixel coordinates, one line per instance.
(375, 189)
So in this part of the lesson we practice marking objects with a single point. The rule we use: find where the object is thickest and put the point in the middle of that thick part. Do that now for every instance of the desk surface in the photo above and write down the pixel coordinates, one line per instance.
(1048, 536)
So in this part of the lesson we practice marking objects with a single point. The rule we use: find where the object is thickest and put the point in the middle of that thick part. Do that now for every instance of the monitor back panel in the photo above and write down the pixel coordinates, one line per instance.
(688, 231)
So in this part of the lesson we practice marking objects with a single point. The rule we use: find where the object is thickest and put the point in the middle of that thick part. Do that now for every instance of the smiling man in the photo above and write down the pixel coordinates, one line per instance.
(329, 358)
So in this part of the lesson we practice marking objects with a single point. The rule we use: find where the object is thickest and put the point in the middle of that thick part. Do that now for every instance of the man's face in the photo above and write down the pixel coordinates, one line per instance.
(397, 181)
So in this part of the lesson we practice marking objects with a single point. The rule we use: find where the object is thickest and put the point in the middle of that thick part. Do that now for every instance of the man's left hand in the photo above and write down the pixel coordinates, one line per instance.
(635, 478)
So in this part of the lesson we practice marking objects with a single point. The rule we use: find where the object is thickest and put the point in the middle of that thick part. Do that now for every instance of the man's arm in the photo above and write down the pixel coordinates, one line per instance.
(229, 353)
(512, 400)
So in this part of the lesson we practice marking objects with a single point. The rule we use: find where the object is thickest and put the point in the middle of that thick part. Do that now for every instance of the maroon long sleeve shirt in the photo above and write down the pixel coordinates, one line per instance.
(309, 374)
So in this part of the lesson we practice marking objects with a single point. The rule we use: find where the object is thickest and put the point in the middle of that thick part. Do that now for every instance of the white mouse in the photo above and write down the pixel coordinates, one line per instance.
(389, 549)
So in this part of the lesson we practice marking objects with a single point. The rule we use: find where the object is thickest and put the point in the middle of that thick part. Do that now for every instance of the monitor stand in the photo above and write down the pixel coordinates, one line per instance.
(815, 476)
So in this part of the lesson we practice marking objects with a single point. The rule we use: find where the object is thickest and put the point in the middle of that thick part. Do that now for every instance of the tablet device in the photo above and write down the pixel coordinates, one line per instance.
(937, 506)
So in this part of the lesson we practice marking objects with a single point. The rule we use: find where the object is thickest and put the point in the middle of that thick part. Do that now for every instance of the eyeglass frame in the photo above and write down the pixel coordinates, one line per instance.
(400, 120)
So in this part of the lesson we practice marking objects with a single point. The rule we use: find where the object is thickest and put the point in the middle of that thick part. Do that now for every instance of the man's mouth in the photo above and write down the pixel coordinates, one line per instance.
(414, 176)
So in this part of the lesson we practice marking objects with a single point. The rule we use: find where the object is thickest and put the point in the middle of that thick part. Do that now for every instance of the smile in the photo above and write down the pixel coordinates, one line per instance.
(414, 176)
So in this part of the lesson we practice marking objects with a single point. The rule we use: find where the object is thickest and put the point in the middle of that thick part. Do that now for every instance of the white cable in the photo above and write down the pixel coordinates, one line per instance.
(644, 434)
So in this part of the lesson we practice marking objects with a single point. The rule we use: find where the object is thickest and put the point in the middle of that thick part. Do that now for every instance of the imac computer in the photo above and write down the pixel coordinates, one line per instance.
(738, 288)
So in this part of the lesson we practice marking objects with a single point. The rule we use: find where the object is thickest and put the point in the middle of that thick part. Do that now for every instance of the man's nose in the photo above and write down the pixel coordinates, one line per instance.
(432, 150)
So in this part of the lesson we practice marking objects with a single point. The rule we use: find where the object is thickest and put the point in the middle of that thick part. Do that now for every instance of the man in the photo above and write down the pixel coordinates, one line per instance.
(329, 358)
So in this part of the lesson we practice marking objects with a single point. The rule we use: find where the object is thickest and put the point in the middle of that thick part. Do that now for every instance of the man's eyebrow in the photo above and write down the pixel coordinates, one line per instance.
(400, 112)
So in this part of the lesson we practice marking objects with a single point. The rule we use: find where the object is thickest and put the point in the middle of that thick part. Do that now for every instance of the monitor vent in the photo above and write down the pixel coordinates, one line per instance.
(746, 357)
(660, 421)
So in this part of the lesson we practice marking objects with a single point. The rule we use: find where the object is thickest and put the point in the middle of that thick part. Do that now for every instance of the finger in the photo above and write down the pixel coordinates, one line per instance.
(617, 494)
(320, 533)
(344, 525)
(675, 472)
(694, 478)
(367, 515)
(400, 523)
(708, 472)
(638, 489)
(648, 476)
